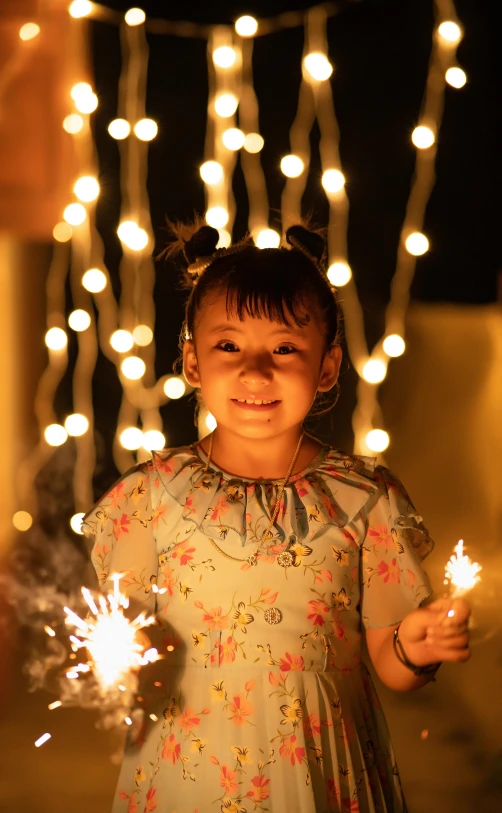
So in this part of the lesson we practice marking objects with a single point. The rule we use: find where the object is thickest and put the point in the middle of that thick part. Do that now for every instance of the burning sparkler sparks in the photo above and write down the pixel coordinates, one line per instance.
(461, 572)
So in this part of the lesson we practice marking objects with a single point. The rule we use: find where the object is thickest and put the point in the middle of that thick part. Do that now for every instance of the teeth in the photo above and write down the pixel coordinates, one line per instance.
(246, 401)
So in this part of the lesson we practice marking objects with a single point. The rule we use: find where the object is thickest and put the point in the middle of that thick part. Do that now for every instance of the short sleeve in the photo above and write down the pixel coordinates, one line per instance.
(396, 541)
(120, 528)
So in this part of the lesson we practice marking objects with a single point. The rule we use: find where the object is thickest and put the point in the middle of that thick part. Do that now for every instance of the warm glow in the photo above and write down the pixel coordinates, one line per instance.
(153, 440)
(217, 217)
(135, 16)
(75, 214)
(246, 26)
(292, 166)
(374, 371)
(131, 438)
(225, 239)
(56, 338)
(76, 425)
(253, 142)
(377, 440)
(333, 180)
(80, 8)
(339, 273)
(28, 31)
(86, 103)
(224, 57)
(76, 523)
(94, 280)
(174, 388)
(450, 32)
(461, 572)
(22, 521)
(417, 244)
(79, 320)
(267, 238)
(211, 422)
(394, 345)
(142, 335)
(423, 137)
(55, 434)
(132, 236)
(80, 89)
(73, 123)
(146, 129)
(456, 77)
(62, 232)
(318, 66)
(121, 341)
(86, 188)
(133, 368)
(226, 104)
(233, 138)
(211, 172)
(119, 129)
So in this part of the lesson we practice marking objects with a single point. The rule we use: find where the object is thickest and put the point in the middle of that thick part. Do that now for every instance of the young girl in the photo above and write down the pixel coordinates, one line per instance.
(274, 553)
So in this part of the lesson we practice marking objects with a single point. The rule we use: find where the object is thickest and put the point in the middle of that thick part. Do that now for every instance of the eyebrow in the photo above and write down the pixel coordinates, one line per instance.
(228, 328)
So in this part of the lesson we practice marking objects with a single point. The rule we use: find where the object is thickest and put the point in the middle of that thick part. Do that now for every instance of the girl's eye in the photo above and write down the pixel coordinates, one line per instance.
(230, 347)
(223, 345)
(286, 347)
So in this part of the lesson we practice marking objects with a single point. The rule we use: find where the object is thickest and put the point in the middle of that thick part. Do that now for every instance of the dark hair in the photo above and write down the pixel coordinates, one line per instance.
(275, 283)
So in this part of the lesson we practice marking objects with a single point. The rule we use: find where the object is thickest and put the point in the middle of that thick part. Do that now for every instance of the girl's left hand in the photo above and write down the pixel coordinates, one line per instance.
(438, 632)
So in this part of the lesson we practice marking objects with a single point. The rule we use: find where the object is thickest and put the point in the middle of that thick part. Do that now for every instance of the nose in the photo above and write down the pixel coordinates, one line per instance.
(256, 372)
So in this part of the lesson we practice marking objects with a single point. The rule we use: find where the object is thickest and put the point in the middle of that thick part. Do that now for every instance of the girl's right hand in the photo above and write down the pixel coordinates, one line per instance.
(438, 632)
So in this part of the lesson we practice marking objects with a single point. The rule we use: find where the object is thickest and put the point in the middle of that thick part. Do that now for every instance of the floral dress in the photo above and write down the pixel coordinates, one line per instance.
(262, 701)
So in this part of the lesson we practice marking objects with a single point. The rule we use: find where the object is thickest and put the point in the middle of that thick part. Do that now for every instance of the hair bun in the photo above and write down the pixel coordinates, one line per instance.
(201, 244)
(310, 241)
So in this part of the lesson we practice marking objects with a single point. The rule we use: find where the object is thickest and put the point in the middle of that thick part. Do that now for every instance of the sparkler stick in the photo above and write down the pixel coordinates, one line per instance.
(461, 572)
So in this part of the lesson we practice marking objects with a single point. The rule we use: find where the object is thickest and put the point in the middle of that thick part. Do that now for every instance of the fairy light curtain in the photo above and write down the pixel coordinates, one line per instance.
(124, 329)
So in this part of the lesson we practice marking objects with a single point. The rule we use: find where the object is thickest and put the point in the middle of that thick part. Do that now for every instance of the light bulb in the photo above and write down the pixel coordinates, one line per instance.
(225, 238)
(121, 341)
(131, 438)
(450, 32)
(73, 123)
(142, 335)
(79, 320)
(456, 77)
(333, 180)
(76, 425)
(417, 244)
(226, 104)
(76, 523)
(153, 440)
(94, 280)
(86, 188)
(246, 26)
(75, 214)
(339, 273)
(394, 345)
(29, 31)
(55, 434)
(62, 232)
(423, 137)
(224, 57)
(253, 142)
(217, 217)
(211, 172)
(377, 440)
(146, 129)
(268, 238)
(174, 388)
(292, 166)
(22, 520)
(233, 138)
(56, 338)
(135, 16)
(211, 422)
(80, 8)
(119, 129)
(318, 66)
(374, 371)
(133, 368)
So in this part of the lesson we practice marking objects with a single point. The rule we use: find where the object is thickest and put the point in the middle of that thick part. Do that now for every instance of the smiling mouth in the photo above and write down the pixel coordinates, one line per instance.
(254, 402)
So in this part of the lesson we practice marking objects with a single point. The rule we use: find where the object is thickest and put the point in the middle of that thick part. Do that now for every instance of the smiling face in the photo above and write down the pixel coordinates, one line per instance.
(258, 359)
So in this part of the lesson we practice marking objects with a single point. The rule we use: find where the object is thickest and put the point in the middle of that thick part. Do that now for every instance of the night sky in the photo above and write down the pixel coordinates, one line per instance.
(380, 50)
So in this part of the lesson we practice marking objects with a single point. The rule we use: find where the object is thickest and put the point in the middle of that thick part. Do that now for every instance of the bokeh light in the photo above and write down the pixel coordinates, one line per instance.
(146, 129)
(119, 129)
(292, 166)
(377, 440)
(76, 523)
(318, 66)
(94, 280)
(142, 335)
(153, 440)
(55, 434)
(268, 238)
(62, 232)
(417, 243)
(246, 26)
(174, 387)
(75, 214)
(76, 424)
(217, 217)
(29, 31)
(121, 341)
(211, 422)
(423, 137)
(135, 16)
(450, 32)
(233, 138)
(394, 345)
(80, 8)
(211, 172)
(339, 273)
(456, 77)
(333, 180)
(226, 104)
(131, 438)
(79, 320)
(225, 238)
(253, 142)
(73, 123)
(374, 371)
(224, 57)
(22, 520)
(86, 188)
(133, 368)
(56, 338)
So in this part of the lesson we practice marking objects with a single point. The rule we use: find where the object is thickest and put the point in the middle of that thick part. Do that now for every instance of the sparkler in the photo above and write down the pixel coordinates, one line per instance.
(461, 572)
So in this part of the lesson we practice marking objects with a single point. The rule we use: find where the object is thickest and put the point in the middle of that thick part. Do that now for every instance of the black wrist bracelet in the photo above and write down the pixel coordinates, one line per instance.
(431, 669)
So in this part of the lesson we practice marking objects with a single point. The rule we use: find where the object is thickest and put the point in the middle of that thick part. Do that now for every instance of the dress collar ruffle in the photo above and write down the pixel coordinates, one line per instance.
(236, 511)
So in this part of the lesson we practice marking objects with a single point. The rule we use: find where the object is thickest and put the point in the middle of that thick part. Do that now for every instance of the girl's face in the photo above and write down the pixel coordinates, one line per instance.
(258, 359)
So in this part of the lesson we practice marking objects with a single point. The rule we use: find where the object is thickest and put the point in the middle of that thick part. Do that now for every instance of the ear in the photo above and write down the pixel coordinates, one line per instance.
(190, 365)
(330, 369)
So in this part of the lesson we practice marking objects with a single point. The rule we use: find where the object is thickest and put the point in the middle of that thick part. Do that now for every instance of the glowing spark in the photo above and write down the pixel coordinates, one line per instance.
(42, 739)
(49, 631)
(55, 705)
(461, 572)
(128, 720)
(154, 718)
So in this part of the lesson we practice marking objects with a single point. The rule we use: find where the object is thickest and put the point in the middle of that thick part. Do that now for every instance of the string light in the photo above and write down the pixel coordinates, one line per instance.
(142, 335)
(417, 243)
(233, 138)
(423, 137)
(80, 8)
(73, 123)
(79, 320)
(377, 440)
(333, 180)
(394, 345)
(62, 232)
(318, 66)
(119, 129)
(339, 273)
(22, 521)
(211, 422)
(121, 341)
(94, 280)
(133, 368)
(450, 32)
(56, 338)
(135, 16)
(75, 214)
(55, 434)
(246, 26)
(86, 102)
(292, 166)
(153, 440)
(226, 104)
(217, 217)
(76, 425)
(268, 238)
(146, 129)
(86, 188)
(76, 523)
(224, 57)
(456, 77)
(253, 142)
(131, 438)
(374, 371)
(174, 388)
(225, 238)
(211, 172)
(132, 236)
(29, 31)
